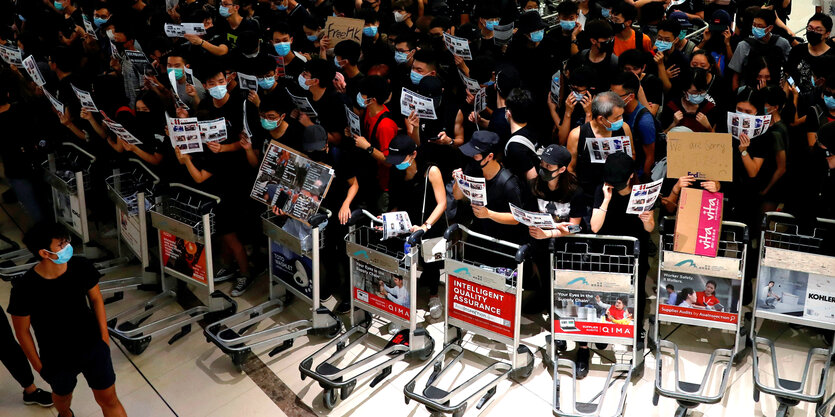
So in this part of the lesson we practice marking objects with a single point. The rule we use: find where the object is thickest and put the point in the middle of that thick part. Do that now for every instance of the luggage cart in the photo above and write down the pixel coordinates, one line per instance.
(483, 300)
(795, 274)
(294, 272)
(719, 310)
(185, 221)
(133, 189)
(370, 259)
(592, 275)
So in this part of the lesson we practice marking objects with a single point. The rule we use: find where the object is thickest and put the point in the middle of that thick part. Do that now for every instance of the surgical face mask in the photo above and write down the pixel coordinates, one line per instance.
(281, 7)
(64, 255)
(613, 126)
(415, 77)
(829, 101)
(268, 124)
(58, 5)
(578, 97)
(537, 36)
(758, 33)
(361, 101)
(178, 73)
(695, 98)
(336, 62)
(98, 21)
(400, 57)
(605, 13)
(547, 175)
(369, 31)
(663, 46)
(313, 38)
(282, 48)
(488, 83)
(403, 165)
(399, 17)
(110, 34)
(490, 24)
(218, 92)
(224, 11)
(266, 83)
(567, 25)
(303, 82)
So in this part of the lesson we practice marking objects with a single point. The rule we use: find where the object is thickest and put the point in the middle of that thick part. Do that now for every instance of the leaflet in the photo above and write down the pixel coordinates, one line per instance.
(751, 126)
(178, 31)
(643, 197)
(353, 122)
(480, 101)
(411, 101)
(184, 134)
(212, 130)
(472, 85)
(32, 68)
(458, 46)
(601, 148)
(555, 87)
(121, 132)
(396, 223)
(140, 62)
(474, 188)
(57, 105)
(246, 129)
(88, 27)
(85, 99)
(303, 104)
(11, 55)
(247, 82)
(543, 221)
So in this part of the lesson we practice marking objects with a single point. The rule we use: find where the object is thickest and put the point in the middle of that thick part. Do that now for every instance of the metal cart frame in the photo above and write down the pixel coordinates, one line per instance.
(602, 259)
(410, 342)
(184, 213)
(507, 283)
(232, 335)
(783, 247)
(729, 264)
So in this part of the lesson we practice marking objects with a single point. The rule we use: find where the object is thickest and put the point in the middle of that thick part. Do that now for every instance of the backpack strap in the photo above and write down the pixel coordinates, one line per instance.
(522, 141)
(503, 177)
(639, 40)
(373, 136)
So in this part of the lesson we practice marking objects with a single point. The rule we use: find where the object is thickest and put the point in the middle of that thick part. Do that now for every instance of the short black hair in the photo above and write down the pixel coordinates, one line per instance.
(599, 29)
(40, 236)
(521, 105)
(281, 27)
(628, 81)
(774, 96)
(366, 14)
(487, 11)
(670, 25)
(582, 76)
(349, 50)
(566, 8)
(755, 97)
(321, 70)
(671, 287)
(376, 87)
(344, 6)
(711, 282)
(767, 15)
(428, 57)
(632, 57)
(409, 38)
(825, 20)
(697, 79)
(627, 10)
(64, 59)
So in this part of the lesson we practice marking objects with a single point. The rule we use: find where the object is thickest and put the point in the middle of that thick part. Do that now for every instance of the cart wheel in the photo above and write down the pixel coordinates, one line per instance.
(459, 412)
(238, 358)
(136, 347)
(367, 320)
(638, 372)
(427, 350)
(655, 398)
(756, 395)
(334, 330)
(329, 398)
(525, 371)
(288, 298)
(740, 356)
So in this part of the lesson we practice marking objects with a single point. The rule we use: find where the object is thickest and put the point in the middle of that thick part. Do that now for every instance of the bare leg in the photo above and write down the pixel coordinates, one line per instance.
(234, 244)
(109, 402)
(62, 404)
(30, 389)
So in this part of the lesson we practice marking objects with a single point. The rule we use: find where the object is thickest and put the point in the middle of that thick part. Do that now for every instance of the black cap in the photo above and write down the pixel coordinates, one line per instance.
(719, 20)
(617, 170)
(315, 138)
(399, 148)
(430, 86)
(681, 18)
(531, 22)
(507, 78)
(556, 155)
(483, 142)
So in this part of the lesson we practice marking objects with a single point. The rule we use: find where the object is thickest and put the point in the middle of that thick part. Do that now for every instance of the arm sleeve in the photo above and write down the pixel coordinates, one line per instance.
(740, 54)
(646, 127)
(19, 304)
(87, 272)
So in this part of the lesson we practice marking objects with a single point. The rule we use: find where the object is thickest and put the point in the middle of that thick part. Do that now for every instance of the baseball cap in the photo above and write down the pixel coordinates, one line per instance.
(315, 138)
(482, 142)
(399, 148)
(556, 155)
(531, 22)
(617, 170)
(430, 86)
(719, 20)
(682, 19)
(507, 78)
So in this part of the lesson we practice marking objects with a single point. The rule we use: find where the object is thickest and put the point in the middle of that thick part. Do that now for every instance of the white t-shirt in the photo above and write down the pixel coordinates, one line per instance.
(827, 6)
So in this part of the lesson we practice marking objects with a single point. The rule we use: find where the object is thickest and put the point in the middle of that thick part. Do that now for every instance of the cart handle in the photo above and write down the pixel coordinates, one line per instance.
(523, 253)
(194, 190)
(671, 220)
(142, 164)
(318, 219)
(452, 229)
(80, 149)
(415, 237)
(358, 215)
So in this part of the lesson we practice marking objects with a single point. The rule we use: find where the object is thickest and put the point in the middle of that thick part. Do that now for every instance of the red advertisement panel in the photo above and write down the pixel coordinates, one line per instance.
(183, 256)
(697, 314)
(381, 289)
(481, 306)
(383, 304)
(590, 328)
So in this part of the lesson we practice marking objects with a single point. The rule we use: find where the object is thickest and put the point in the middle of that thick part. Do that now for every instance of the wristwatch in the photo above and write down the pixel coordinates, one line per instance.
(370, 150)
(743, 153)
(428, 226)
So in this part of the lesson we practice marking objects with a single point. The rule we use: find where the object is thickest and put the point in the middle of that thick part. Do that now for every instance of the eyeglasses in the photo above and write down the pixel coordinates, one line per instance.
(819, 31)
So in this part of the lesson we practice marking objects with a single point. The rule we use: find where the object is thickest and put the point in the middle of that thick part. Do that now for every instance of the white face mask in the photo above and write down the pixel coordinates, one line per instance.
(399, 17)
(110, 34)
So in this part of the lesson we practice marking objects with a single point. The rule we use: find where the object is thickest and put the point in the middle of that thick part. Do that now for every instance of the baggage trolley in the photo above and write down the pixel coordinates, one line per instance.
(371, 261)
(294, 271)
(184, 219)
(794, 282)
(716, 308)
(593, 287)
(133, 189)
(481, 300)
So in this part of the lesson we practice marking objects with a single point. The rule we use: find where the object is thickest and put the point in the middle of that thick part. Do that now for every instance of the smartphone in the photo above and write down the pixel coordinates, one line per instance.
(790, 80)
(573, 228)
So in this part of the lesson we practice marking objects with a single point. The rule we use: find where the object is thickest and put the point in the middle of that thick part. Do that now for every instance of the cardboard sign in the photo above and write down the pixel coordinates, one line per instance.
(344, 28)
(705, 156)
(699, 222)
(481, 306)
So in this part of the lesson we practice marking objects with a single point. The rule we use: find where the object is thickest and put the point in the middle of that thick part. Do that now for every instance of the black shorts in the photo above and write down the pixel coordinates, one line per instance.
(94, 363)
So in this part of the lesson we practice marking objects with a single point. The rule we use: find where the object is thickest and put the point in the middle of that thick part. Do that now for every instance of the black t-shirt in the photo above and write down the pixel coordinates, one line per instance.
(800, 64)
(519, 159)
(17, 149)
(767, 146)
(229, 36)
(562, 206)
(502, 190)
(63, 321)
(653, 89)
(331, 111)
(618, 222)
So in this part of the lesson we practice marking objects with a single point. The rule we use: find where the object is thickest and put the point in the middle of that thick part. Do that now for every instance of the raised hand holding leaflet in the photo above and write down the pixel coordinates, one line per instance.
(472, 85)
(212, 130)
(184, 134)
(543, 221)
(303, 104)
(247, 82)
(57, 105)
(396, 223)
(121, 132)
(85, 99)
(353, 122)
(600, 148)
(458, 46)
(11, 55)
(474, 188)
(555, 87)
(751, 126)
(246, 130)
(32, 69)
(88, 27)
(643, 197)
(411, 101)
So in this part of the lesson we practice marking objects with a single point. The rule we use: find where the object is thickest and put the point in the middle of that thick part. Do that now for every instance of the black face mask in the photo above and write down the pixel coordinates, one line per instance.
(618, 27)
(607, 46)
(547, 175)
(318, 156)
(814, 38)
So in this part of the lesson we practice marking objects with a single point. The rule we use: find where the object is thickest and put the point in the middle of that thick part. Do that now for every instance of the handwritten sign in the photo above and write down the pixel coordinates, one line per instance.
(706, 156)
(344, 28)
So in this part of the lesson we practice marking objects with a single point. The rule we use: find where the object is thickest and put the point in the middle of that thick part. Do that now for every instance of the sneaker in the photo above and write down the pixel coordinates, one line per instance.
(225, 273)
(242, 284)
(39, 397)
(394, 328)
(436, 309)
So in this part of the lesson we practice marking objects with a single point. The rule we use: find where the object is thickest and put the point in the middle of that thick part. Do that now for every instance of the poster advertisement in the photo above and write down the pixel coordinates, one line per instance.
(290, 181)
(481, 306)
(381, 289)
(699, 287)
(187, 258)
(600, 148)
(594, 304)
(797, 284)
(474, 188)
(353, 122)
(212, 130)
(543, 221)
(303, 104)
(185, 134)
(292, 269)
(458, 46)
(414, 102)
(751, 126)
(69, 211)
(396, 223)
(129, 230)
(643, 197)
